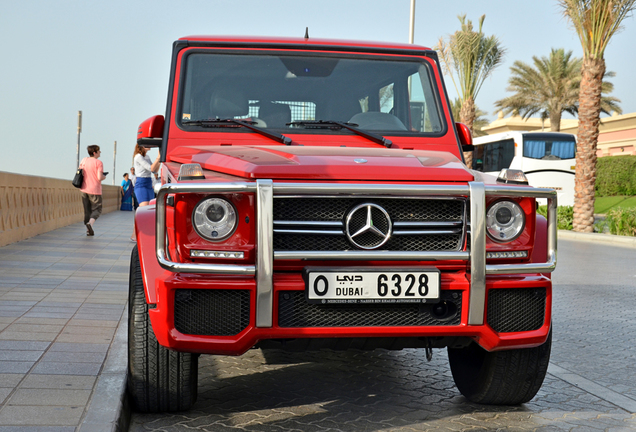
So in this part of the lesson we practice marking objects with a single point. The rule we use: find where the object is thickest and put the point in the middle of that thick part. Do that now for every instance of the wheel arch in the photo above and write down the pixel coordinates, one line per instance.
(151, 271)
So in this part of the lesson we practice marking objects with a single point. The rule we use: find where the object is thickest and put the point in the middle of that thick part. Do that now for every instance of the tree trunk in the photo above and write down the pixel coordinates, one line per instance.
(555, 121)
(592, 73)
(467, 116)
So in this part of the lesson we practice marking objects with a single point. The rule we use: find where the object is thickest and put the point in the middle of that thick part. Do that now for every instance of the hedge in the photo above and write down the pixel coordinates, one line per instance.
(565, 216)
(616, 175)
(622, 221)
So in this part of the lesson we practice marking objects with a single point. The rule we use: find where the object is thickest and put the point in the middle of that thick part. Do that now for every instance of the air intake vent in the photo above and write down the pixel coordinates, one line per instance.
(209, 312)
(516, 309)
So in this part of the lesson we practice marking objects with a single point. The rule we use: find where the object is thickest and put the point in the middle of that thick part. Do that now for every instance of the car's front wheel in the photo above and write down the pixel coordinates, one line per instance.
(159, 380)
(508, 377)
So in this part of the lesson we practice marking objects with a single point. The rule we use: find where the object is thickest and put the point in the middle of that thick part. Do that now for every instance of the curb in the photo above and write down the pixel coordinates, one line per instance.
(109, 410)
(614, 240)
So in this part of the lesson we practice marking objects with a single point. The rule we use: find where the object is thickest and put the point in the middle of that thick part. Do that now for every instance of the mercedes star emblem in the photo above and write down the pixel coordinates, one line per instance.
(368, 226)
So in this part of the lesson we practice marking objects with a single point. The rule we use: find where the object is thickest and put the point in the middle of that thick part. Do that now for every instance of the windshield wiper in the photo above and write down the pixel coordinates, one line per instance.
(350, 126)
(232, 122)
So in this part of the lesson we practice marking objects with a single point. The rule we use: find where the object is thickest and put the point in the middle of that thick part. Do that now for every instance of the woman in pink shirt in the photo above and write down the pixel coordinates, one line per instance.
(92, 187)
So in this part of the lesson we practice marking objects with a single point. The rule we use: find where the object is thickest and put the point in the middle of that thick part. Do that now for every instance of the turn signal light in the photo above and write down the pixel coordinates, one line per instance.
(216, 254)
(511, 254)
(512, 176)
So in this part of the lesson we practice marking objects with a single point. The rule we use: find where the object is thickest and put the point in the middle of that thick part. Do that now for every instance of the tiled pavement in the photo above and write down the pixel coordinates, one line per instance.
(63, 356)
(62, 297)
(590, 386)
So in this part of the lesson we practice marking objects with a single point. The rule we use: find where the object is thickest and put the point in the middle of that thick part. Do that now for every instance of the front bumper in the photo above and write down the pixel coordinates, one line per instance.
(264, 285)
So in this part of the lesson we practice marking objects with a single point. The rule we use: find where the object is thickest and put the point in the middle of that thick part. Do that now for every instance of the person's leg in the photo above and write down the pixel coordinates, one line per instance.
(96, 210)
(86, 202)
(134, 200)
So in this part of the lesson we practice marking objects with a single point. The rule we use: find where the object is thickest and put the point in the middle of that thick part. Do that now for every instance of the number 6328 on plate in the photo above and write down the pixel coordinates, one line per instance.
(374, 285)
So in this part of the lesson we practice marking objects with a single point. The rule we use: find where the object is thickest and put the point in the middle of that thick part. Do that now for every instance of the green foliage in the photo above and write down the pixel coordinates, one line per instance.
(471, 55)
(565, 216)
(604, 204)
(616, 176)
(550, 87)
(622, 221)
(596, 21)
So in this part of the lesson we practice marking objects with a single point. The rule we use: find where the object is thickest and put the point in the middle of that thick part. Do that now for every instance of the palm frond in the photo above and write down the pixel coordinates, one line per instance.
(469, 57)
(596, 21)
(549, 87)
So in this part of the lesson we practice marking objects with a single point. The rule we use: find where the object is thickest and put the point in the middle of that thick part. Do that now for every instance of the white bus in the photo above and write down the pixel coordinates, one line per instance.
(546, 158)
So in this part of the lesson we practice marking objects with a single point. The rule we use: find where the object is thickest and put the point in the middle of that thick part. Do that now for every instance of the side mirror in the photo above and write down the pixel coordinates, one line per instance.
(465, 137)
(150, 132)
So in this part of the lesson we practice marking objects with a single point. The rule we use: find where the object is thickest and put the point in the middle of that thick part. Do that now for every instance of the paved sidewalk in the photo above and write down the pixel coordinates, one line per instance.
(62, 299)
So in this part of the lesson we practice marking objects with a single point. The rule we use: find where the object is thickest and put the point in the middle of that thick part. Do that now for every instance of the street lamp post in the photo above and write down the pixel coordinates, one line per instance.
(79, 131)
(412, 25)
(114, 162)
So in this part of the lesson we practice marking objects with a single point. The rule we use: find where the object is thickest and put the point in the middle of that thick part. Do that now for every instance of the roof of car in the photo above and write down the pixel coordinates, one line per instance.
(307, 43)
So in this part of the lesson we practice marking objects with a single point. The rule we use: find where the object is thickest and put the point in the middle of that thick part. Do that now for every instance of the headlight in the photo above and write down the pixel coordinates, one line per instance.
(505, 220)
(214, 219)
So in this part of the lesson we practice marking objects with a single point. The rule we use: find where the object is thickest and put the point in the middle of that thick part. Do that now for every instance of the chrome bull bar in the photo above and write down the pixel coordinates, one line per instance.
(265, 191)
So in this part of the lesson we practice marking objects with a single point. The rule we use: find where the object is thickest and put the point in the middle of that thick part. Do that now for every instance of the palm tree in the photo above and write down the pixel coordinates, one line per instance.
(595, 22)
(550, 88)
(472, 56)
(480, 117)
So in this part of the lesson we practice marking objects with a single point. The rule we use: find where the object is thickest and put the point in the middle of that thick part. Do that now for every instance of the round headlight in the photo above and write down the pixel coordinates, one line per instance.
(214, 219)
(505, 221)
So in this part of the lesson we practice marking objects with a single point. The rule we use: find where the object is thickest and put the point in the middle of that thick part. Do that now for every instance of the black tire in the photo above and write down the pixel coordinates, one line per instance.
(159, 380)
(509, 377)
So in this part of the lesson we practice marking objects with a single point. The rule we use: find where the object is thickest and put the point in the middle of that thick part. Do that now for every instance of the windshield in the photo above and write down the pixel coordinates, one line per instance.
(273, 91)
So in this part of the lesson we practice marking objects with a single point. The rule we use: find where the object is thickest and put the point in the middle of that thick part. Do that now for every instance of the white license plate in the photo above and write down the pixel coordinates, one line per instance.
(372, 286)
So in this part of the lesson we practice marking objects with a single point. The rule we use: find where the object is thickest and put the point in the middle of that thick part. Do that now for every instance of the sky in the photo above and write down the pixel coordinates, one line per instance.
(111, 60)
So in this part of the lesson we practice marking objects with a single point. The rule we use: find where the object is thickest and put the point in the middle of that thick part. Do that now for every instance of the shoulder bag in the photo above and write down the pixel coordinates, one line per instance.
(79, 178)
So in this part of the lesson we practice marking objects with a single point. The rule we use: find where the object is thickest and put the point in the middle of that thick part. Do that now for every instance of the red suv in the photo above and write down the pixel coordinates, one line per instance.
(313, 195)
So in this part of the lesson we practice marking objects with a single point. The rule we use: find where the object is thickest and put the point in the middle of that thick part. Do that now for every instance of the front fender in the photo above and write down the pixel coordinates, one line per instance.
(151, 271)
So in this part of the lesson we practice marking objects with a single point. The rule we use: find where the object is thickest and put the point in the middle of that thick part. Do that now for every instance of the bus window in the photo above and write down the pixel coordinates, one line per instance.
(494, 156)
(537, 148)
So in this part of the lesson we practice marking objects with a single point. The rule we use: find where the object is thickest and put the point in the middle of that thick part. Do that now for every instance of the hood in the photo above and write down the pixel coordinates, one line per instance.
(327, 163)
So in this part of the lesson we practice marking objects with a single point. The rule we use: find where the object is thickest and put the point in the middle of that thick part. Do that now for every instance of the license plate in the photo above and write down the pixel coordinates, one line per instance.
(372, 286)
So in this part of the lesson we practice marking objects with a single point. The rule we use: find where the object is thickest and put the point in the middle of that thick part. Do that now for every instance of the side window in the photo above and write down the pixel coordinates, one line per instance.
(495, 156)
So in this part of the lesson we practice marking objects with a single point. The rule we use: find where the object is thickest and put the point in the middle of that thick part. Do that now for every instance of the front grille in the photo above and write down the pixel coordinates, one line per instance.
(329, 209)
(294, 311)
(311, 242)
(208, 312)
(516, 309)
(319, 224)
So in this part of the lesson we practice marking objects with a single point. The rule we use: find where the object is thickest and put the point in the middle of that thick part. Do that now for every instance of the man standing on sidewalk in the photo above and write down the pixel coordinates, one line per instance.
(92, 187)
